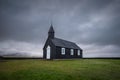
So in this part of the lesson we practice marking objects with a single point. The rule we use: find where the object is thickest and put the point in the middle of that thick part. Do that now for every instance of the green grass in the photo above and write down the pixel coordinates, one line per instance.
(83, 69)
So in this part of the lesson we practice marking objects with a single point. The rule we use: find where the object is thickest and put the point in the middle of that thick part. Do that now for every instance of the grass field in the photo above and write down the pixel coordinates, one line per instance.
(83, 69)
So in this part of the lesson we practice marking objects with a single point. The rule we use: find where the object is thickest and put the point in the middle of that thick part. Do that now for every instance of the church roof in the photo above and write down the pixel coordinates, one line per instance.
(64, 43)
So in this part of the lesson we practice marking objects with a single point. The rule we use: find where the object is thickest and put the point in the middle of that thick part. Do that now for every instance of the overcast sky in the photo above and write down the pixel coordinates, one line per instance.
(92, 24)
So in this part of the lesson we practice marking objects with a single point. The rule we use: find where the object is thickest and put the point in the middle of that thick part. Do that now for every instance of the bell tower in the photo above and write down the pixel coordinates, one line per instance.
(51, 32)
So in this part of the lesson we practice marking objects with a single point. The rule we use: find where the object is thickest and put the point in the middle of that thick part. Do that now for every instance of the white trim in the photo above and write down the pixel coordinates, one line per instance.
(72, 51)
(48, 52)
(78, 53)
(63, 51)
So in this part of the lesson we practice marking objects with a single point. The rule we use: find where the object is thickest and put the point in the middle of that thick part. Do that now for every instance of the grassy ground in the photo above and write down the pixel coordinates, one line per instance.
(83, 69)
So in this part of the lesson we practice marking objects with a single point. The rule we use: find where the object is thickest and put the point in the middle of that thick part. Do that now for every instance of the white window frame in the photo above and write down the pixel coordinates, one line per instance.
(63, 51)
(78, 52)
(72, 51)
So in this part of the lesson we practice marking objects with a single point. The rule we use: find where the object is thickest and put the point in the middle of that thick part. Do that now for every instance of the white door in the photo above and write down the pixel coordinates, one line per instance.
(48, 52)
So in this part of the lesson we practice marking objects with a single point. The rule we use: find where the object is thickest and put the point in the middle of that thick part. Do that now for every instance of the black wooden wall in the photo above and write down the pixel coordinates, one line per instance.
(67, 54)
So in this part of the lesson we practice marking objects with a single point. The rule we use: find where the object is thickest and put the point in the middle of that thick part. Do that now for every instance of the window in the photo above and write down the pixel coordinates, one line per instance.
(72, 52)
(63, 51)
(78, 52)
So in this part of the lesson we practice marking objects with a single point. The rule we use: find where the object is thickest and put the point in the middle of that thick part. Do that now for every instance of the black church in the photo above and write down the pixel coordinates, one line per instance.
(56, 48)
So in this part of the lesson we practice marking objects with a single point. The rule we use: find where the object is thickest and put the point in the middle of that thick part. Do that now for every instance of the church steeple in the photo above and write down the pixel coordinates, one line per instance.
(51, 32)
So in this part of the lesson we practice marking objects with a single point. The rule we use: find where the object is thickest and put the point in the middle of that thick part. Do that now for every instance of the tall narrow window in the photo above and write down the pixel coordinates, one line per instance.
(72, 52)
(63, 51)
(78, 52)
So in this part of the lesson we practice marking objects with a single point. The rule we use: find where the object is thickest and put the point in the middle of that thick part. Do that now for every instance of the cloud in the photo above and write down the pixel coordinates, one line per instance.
(23, 48)
(94, 22)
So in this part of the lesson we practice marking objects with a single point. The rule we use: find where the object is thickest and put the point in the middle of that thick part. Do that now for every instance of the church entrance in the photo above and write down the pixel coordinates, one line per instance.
(48, 52)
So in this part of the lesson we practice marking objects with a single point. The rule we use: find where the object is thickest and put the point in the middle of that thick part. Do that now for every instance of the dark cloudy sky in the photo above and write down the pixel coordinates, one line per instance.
(93, 24)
